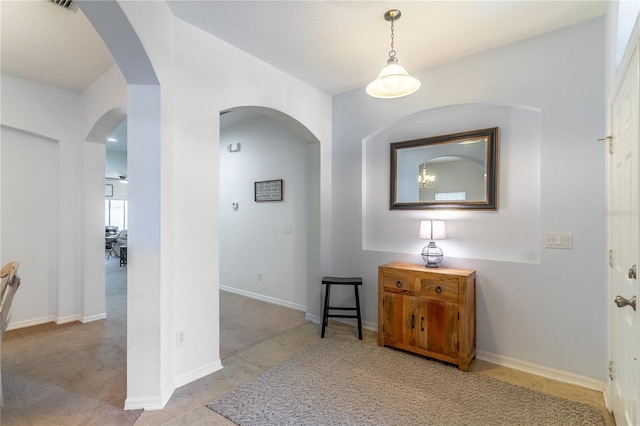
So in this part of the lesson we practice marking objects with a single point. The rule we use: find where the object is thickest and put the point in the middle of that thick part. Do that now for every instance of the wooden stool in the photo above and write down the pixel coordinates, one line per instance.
(329, 281)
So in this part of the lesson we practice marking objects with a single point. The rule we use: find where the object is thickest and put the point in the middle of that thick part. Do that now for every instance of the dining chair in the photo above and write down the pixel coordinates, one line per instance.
(109, 248)
(8, 287)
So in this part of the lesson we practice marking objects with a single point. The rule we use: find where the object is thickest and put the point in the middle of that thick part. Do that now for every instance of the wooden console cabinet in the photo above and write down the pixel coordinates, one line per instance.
(428, 311)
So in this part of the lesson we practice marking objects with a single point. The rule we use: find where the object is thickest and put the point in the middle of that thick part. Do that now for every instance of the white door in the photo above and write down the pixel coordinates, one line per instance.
(623, 227)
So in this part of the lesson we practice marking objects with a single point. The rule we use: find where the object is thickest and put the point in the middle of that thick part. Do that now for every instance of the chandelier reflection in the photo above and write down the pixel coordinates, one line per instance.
(425, 180)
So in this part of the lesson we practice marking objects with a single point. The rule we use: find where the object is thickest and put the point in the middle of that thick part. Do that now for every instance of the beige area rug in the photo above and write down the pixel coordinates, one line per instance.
(339, 382)
(245, 322)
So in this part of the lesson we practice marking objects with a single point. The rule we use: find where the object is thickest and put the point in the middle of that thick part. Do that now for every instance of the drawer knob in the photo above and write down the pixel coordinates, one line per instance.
(438, 290)
(398, 284)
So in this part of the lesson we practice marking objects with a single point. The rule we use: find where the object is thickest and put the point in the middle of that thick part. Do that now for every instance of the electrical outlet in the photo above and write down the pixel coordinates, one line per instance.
(259, 276)
(181, 338)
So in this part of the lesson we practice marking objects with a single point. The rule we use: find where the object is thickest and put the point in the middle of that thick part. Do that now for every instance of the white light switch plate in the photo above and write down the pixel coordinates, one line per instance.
(558, 240)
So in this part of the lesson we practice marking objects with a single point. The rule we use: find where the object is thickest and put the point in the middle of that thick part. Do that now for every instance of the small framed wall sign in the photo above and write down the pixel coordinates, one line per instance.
(108, 190)
(268, 190)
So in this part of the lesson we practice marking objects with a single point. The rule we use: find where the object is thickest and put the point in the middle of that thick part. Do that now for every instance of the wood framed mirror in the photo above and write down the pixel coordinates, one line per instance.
(455, 171)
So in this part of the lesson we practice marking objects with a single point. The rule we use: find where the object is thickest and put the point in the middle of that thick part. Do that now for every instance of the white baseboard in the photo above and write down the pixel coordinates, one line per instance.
(68, 319)
(312, 318)
(150, 404)
(539, 370)
(196, 374)
(57, 320)
(95, 317)
(264, 298)
(31, 322)
(550, 373)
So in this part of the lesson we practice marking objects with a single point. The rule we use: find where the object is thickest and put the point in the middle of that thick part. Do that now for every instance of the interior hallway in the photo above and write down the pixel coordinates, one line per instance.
(74, 374)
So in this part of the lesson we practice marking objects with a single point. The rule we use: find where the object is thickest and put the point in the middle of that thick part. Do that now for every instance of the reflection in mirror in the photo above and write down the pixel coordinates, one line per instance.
(457, 171)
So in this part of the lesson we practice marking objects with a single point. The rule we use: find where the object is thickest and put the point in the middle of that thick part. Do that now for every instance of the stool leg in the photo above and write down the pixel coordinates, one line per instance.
(358, 312)
(325, 313)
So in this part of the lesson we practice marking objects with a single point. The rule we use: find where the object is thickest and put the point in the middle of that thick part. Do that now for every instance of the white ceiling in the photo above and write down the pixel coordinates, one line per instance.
(333, 45)
(51, 45)
(342, 45)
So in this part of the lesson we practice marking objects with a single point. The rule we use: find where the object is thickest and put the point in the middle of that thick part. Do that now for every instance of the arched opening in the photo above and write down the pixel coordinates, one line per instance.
(144, 383)
(268, 242)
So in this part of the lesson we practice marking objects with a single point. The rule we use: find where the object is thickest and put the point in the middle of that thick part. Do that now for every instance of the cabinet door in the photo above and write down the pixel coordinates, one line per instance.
(393, 318)
(413, 327)
(401, 317)
(437, 326)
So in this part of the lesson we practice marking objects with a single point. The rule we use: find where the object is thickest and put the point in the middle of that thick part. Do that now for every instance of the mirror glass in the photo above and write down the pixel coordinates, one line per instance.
(457, 171)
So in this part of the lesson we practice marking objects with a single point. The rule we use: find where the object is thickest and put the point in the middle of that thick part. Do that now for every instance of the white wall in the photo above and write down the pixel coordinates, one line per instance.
(253, 239)
(116, 161)
(194, 89)
(50, 118)
(537, 308)
(512, 233)
(120, 190)
(30, 208)
(545, 313)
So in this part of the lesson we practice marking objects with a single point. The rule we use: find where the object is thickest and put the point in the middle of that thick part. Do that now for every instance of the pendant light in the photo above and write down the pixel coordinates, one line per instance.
(393, 81)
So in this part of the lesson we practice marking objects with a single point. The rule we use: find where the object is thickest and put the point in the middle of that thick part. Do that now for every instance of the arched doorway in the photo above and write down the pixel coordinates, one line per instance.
(268, 249)
(144, 386)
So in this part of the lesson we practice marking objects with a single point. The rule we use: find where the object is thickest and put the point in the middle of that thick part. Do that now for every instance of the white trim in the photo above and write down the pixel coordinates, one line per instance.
(196, 374)
(264, 298)
(31, 322)
(620, 70)
(140, 403)
(152, 404)
(26, 132)
(68, 318)
(57, 320)
(312, 318)
(95, 317)
(539, 370)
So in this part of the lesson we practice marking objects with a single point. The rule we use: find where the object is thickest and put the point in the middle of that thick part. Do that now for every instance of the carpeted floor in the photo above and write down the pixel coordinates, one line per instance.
(75, 374)
(71, 374)
(345, 382)
(245, 322)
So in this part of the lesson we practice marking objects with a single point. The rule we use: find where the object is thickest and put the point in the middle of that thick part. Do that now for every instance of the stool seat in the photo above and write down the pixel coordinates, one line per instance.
(329, 281)
(342, 281)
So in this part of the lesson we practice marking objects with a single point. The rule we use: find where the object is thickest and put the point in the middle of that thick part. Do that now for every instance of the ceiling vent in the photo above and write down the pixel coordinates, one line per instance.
(67, 4)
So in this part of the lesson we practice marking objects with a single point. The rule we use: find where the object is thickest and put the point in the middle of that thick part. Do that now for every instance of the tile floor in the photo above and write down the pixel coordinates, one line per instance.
(187, 405)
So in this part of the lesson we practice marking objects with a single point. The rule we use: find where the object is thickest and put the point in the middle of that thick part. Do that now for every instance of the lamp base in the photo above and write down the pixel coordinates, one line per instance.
(432, 255)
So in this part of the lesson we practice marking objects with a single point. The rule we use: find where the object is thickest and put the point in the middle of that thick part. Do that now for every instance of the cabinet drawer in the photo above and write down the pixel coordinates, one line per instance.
(398, 282)
(440, 288)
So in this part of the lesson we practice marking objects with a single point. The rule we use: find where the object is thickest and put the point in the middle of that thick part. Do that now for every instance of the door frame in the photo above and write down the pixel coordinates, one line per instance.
(632, 45)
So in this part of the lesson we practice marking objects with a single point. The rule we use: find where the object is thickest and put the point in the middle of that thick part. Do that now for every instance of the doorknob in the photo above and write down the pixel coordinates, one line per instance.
(622, 302)
(632, 272)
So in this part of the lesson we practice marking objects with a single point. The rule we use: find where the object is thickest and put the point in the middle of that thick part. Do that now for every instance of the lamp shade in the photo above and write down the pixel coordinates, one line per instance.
(432, 230)
(393, 82)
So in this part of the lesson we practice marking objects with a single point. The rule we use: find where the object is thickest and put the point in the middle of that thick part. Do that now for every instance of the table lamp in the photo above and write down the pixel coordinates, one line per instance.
(432, 230)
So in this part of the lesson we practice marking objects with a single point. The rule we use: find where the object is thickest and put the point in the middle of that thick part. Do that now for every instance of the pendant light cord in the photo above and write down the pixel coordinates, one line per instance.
(392, 52)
